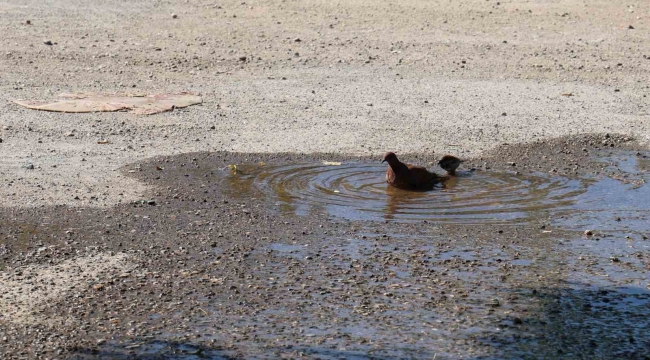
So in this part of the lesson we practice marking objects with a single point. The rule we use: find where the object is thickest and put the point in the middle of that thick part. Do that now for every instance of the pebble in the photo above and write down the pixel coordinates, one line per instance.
(98, 287)
(48, 42)
(589, 233)
(174, 16)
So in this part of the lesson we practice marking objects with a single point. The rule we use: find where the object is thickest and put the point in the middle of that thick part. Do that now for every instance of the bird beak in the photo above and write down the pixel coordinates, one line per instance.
(383, 161)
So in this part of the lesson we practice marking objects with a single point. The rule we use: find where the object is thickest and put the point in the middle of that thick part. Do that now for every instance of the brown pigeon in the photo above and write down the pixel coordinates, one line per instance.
(407, 176)
(450, 164)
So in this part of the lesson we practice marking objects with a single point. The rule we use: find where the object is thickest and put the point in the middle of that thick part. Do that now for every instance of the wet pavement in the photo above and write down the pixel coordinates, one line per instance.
(296, 256)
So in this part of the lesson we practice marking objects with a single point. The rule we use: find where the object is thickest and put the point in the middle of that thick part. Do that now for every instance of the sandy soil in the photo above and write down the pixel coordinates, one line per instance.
(356, 77)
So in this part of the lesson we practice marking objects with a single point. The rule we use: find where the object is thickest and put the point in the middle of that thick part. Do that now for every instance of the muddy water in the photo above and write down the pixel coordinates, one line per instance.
(357, 191)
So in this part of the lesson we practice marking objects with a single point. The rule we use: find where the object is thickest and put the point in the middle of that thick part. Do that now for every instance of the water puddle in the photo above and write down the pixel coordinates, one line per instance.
(609, 204)
(153, 349)
(357, 191)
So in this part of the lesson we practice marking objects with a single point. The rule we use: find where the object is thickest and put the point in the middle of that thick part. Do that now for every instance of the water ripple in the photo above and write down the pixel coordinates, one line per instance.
(358, 191)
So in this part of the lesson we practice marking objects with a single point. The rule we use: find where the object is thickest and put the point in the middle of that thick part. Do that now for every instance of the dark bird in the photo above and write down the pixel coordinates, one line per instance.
(407, 176)
(450, 163)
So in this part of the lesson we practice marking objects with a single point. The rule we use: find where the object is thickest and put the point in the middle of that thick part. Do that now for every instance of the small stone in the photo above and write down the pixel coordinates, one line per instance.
(615, 259)
(504, 114)
(98, 287)
(297, 40)
(242, 58)
(29, 166)
(48, 42)
(174, 16)
(512, 163)
(589, 233)
(151, 202)
(517, 321)
(630, 27)
(28, 22)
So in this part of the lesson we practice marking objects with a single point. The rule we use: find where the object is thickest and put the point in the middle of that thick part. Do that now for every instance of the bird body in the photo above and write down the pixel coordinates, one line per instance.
(407, 176)
(450, 163)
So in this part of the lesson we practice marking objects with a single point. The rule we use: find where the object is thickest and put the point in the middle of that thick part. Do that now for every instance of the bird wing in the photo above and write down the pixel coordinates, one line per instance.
(421, 176)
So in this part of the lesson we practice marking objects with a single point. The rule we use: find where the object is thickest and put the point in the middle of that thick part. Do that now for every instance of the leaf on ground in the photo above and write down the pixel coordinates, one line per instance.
(96, 102)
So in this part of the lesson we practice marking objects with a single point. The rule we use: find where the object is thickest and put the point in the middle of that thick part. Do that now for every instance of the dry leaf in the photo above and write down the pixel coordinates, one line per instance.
(93, 102)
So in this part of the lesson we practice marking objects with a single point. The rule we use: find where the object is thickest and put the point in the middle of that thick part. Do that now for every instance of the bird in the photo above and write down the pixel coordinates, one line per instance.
(450, 163)
(407, 176)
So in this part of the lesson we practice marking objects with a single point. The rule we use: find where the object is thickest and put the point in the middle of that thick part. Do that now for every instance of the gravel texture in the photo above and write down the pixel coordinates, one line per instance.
(119, 238)
(357, 77)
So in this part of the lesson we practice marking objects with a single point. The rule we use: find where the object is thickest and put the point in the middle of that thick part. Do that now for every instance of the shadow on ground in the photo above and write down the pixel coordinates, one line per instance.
(586, 323)
(580, 323)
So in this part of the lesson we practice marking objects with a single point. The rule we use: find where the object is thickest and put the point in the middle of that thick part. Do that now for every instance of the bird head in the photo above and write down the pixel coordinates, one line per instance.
(389, 157)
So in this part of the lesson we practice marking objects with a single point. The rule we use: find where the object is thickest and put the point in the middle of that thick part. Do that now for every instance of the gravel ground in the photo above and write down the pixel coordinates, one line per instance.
(201, 267)
(103, 255)
(357, 77)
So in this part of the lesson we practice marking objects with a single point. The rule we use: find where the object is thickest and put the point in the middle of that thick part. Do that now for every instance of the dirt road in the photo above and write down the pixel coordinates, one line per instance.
(127, 236)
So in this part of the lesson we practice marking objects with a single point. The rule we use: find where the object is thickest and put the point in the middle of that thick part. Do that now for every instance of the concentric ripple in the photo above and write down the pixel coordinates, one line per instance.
(358, 191)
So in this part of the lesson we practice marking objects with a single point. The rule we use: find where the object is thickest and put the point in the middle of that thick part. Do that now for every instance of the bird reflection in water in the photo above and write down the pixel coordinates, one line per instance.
(401, 202)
